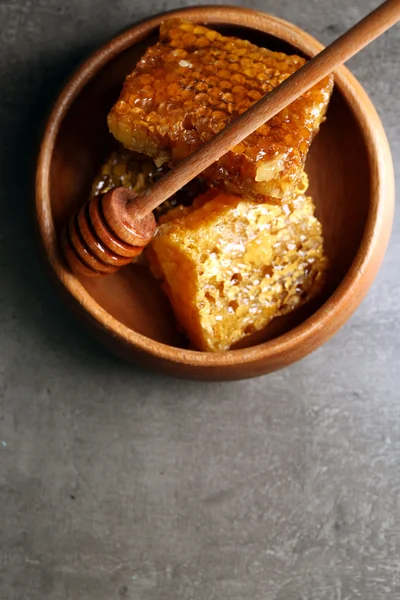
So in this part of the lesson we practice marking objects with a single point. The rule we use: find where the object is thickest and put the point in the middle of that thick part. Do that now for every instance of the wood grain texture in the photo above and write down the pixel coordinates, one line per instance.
(96, 234)
(351, 181)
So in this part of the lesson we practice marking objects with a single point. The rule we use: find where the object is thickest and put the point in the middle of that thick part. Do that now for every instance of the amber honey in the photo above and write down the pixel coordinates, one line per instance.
(195, 81)
(137, 172)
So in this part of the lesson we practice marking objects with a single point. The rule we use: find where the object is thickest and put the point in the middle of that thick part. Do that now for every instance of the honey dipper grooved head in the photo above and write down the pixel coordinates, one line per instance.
(104, 236)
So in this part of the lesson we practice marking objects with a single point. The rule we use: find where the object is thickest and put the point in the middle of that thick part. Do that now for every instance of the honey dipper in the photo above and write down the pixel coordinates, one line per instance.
(109, 231)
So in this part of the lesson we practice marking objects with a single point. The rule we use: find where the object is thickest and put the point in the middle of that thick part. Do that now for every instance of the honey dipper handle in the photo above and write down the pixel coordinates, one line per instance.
(346, 46)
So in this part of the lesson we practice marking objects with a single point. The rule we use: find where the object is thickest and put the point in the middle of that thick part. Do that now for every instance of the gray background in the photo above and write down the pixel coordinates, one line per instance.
(121, 484)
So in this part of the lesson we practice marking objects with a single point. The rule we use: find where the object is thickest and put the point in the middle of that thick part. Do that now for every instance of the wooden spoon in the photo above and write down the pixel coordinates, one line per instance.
(109, 231)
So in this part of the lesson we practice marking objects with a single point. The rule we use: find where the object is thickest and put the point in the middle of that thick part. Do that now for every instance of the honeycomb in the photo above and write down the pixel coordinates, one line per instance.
(230, 265)
(192, 83)
(137, 172)
(127, 169)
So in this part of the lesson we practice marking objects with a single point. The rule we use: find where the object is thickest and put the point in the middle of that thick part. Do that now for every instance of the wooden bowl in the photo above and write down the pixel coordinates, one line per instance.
(351, 175)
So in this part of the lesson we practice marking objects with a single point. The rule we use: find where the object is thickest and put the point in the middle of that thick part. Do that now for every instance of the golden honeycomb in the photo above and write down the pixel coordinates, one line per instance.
(195, 81)
(230, 265)
(137, 172)
(127, 169)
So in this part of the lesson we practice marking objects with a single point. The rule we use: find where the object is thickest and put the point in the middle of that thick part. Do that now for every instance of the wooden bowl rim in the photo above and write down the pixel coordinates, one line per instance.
(319, 327)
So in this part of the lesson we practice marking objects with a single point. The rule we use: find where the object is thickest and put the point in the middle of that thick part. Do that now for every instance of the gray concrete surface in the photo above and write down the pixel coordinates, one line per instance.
(120, 484)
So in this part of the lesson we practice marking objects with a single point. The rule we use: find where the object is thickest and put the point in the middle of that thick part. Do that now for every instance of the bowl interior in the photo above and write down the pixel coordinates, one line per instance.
(337, 165)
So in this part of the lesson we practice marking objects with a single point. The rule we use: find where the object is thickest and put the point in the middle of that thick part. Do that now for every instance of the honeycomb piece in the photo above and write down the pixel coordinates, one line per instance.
(127, 169)
(230, 265)
(192, 83)
(137, 172)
